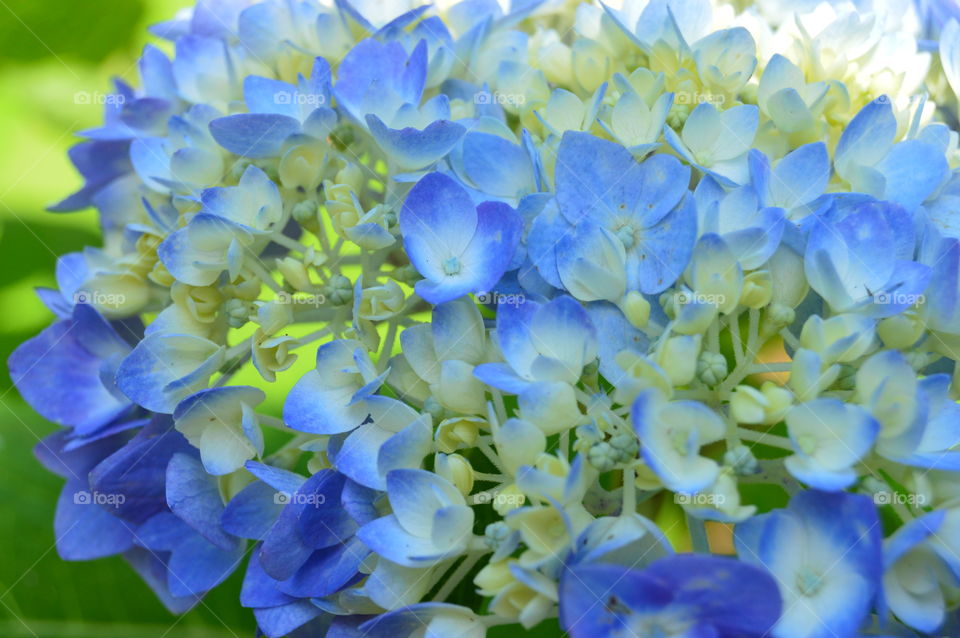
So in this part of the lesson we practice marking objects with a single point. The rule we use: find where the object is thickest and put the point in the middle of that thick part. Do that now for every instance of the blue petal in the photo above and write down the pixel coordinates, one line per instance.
(327, 571)
(85, 529)
(800, 177)
(254, 135)
(197, 566)
(279, 479)
(194, 496)
(259, 588)
(869, 134)
(386, 537)
(279, 621)
(158, 374)
(375, 77)
(500, 376)
(138, 473)
(665, 250)
(600, 179)
(913, 170)
(412, 148)
(496, 166)
(61, 378)
(265, 95)
(252, 512)
(437, 211)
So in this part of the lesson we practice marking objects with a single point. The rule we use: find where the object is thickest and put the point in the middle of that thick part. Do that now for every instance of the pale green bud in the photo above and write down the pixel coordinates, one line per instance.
(900, 331)
(340, 290)
(757, 289)
(455, 469)
(678, 357)
(238, 312)
(711, 368)
(602, 456)
(305, 214)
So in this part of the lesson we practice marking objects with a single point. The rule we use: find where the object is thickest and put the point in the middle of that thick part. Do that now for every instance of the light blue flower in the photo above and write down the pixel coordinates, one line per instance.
(674, 597)
(917, 570)
(549, 342)
(829, 437)
(165, 368)
(824, 551)
(443, 353)
(336, 396)
(202, 70)
(380, 87)
(279, 113)
(751, 231)
(644, 205)
(717, 141)
(671, 434)
(498, 167)
(853, 263)
(186, 159)
(221, 423)
(871, 161)
(459, 248)
(393, 436)
(229, 229)
(430, 521)
(795, 182)
(915, 413)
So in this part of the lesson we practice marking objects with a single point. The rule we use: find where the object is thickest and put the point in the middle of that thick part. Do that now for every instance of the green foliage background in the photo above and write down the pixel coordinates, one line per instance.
(51, 51)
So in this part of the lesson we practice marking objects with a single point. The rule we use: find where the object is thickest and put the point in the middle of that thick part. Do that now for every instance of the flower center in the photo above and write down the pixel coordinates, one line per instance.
(451, 266)
(808, 582)
(627, 235)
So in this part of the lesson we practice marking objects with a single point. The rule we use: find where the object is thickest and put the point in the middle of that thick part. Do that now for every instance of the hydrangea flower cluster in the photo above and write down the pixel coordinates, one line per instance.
(641, 316)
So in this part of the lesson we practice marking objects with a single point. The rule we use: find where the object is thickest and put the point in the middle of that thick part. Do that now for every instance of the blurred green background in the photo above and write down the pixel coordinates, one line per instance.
(51, 51)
